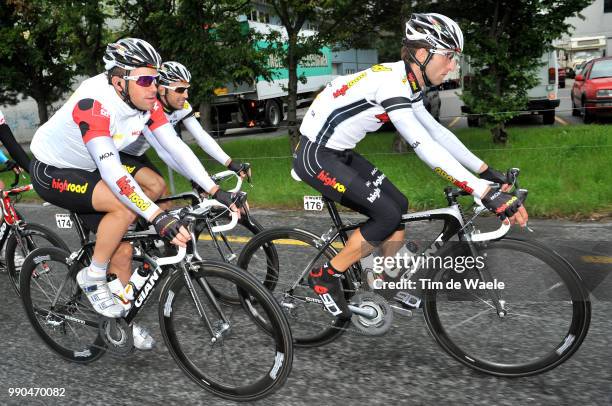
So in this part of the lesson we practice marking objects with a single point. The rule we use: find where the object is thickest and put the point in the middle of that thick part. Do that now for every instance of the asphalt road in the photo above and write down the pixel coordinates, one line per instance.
(404, 367)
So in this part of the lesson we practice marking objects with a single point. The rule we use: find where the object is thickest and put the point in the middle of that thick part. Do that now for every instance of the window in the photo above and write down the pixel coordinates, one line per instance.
(259, 16)
(349, 71)
(607, 6)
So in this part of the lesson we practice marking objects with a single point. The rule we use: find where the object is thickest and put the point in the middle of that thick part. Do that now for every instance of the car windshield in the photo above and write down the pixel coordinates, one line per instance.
(601, 69)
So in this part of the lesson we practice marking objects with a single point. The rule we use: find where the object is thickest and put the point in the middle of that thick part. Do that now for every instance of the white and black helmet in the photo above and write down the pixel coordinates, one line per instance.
(131, 53)
(434, 29)
(173, 72)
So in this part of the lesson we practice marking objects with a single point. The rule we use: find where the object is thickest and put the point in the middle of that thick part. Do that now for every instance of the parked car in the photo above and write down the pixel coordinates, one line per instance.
(561, 74)
(592, 91)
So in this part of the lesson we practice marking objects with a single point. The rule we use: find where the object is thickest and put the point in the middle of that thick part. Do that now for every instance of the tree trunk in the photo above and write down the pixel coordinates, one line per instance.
(500, 136)
(292, 125)
(43, 114)
(205, 116)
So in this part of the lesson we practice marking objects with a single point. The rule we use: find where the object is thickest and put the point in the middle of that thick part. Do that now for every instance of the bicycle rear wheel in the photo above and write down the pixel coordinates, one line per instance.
(532, 324)
(240, 352)
(56, 307)
(311, 324)
(30, 237)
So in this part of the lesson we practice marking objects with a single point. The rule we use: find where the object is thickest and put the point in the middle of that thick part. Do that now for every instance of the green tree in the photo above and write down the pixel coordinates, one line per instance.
(34, 57)
(45, 45)
(208, 37)
(505, 40)
(337, 22)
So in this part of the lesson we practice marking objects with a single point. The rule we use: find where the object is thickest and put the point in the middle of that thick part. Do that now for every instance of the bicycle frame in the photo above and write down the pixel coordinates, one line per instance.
(455, 224)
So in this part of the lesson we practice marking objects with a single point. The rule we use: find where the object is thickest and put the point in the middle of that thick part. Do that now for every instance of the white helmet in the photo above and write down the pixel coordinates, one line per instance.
(131, 53)
(434, 29)
(173, 72)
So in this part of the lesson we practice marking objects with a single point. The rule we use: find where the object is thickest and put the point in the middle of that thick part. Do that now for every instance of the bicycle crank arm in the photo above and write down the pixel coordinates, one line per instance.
(365, 312)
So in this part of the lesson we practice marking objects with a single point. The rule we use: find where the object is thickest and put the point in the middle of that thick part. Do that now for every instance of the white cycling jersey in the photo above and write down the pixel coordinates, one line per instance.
(94, 124)
(352, 106)
(185, 116)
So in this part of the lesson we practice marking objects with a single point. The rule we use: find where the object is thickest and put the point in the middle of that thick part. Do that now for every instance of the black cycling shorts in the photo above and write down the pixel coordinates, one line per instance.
(72, 189)
(133, 163)
(348, 178)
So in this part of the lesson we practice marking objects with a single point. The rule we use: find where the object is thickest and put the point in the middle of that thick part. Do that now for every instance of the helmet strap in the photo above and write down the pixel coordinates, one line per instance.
(164, 101)
(421, 66)
(125, 95)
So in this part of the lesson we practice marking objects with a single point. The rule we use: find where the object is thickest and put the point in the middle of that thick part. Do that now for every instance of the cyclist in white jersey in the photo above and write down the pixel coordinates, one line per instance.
(76, 164)
(350, 107)
(173, 91)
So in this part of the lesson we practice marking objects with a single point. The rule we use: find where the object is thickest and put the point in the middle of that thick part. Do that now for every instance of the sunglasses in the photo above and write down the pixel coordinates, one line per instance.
(449, 54)
(178, 89)
(143, 80)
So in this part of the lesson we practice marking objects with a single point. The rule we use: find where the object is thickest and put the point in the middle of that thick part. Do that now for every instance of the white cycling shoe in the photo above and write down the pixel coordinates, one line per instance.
(99, 295)
(142, 338)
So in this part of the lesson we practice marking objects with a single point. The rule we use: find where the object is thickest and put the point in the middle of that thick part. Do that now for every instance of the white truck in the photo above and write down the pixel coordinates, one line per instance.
(543, 98)
(262, 104)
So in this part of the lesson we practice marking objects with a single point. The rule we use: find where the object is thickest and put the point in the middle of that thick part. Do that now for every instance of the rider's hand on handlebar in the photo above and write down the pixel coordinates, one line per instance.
(12, 166)
(506, 206)
(242, 169)
(229, 199)
(496, 176)
(171, 228)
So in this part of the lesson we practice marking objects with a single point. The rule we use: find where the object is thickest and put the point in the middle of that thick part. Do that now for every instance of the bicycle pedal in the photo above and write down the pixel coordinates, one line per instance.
(407, 299)
(402, 311)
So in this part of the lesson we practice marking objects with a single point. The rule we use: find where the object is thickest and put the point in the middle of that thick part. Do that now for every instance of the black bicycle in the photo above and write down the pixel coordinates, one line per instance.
(19, 237)
(220, 345)
(519, 309)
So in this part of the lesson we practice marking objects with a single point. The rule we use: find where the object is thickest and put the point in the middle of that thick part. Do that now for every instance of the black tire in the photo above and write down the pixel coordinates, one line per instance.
(575, 110)
(189, 340)
(587, 116)
(43, 272)
(548, 117)
(17, 248)
(310, 323)
(540, 285)
(273, 114)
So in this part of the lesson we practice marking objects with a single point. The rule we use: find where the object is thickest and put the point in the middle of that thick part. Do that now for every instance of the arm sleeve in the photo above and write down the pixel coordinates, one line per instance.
(181, 153)
(205, 141)
(433, 154)
(397, 98)
(163, 154)
(446, 138)
(120, 182)
(13, 148)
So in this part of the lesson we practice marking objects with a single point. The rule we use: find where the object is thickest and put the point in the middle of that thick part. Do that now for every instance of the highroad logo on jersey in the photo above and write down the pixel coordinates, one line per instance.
(64, 186)
(126, 189)
(342, 91)
(331, 182)
(463, 185)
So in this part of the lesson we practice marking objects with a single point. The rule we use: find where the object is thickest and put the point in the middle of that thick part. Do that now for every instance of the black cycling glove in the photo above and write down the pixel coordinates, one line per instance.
(10, 165)
(501, 203)
(494, 175)
(228, 198)
(166, 225)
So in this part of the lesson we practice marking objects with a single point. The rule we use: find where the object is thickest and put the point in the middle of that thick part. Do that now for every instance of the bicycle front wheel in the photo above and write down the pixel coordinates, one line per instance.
(240, 352)
(22, 241)
(532, 323)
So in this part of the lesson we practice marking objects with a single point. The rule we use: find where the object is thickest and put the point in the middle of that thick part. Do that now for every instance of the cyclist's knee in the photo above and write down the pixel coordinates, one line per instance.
(384, 221)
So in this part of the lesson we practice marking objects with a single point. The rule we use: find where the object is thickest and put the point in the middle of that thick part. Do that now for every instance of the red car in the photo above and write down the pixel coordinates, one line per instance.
(592, 91)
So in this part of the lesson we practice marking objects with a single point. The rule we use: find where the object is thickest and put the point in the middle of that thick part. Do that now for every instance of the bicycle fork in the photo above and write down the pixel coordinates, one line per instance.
(216, 333)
